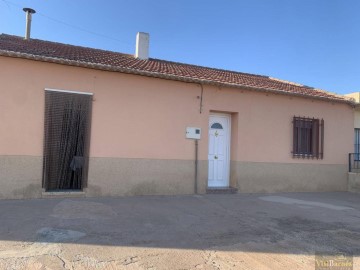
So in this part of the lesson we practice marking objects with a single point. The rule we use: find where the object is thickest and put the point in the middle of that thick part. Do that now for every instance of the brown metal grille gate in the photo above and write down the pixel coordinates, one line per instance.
(66, 140)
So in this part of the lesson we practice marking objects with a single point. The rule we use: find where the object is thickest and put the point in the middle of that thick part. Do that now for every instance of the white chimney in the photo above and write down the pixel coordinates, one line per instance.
(29, 12)
(142, 46)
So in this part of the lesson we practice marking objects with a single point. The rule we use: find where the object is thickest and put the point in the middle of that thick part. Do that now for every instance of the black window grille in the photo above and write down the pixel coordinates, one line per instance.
(66, 140)
(308, 137)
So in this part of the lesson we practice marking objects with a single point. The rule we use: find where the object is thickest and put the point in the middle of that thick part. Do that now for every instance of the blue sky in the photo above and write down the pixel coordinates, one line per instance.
(313, 42)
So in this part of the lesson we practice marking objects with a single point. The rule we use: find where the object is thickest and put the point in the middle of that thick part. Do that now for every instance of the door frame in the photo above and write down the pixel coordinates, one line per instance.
(228, 146)
(45, 179)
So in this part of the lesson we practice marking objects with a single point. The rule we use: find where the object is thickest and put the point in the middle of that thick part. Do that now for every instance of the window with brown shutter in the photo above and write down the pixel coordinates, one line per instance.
(308, 137)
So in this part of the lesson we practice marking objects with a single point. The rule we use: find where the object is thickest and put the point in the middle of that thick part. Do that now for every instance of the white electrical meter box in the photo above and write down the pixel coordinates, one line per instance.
(193, 133)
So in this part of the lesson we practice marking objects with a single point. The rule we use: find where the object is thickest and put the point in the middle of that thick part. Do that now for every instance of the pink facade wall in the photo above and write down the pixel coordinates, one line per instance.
(141, 117)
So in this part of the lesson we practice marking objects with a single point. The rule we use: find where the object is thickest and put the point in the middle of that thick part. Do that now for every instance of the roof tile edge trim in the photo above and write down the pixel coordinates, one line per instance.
(153, 74)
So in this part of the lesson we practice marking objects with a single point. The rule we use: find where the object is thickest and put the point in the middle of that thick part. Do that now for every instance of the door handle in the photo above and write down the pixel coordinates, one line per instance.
(215, 157)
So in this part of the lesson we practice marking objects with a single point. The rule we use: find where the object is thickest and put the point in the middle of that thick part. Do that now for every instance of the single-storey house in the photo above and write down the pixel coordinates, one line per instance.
(101, 123)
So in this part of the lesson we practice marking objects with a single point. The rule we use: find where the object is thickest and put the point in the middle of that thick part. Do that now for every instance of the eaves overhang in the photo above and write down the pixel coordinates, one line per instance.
(153, 74)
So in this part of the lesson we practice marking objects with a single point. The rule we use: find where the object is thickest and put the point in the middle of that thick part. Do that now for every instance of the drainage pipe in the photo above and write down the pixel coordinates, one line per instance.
(196, 167)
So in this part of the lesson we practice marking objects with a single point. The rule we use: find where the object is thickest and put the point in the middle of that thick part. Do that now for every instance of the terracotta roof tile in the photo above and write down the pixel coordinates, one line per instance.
(81, 56)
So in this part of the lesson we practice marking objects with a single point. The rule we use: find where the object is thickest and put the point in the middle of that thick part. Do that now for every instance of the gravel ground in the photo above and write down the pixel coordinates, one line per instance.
(239, 231)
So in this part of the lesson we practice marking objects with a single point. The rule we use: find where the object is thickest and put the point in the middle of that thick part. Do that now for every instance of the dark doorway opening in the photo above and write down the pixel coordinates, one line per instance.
(66, 140)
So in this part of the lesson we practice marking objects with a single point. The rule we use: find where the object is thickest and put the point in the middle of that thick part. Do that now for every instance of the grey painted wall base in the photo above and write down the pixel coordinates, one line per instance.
(126, 177)
(20, 177)
(354, 182)
(258, 177)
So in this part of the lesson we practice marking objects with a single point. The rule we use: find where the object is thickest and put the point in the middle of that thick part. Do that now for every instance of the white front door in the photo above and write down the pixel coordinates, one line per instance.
(219, 150)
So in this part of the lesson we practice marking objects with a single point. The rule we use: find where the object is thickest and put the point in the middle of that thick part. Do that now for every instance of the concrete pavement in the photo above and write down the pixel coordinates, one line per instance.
(240, 231)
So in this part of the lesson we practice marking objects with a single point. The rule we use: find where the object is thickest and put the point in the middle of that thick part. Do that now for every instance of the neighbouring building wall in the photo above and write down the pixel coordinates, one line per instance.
(356, 97)
(357, 117)
(138, 143)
